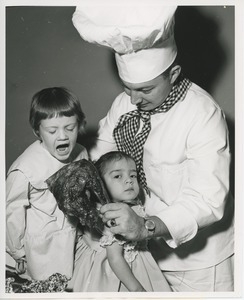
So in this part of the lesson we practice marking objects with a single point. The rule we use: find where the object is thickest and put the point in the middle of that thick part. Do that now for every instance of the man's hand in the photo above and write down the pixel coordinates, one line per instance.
(127, 223)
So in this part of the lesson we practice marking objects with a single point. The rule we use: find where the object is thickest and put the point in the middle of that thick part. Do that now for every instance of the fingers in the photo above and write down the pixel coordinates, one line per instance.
(116, 229)
(111, 223)
(111, 207)
(121, 219)
(20, 266)
(111, 211)
(109, 216)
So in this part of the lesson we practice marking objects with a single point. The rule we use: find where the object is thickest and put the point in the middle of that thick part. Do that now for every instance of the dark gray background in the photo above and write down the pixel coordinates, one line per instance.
(43, 49)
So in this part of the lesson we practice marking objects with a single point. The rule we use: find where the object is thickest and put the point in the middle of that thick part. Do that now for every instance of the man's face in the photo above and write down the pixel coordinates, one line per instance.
(148, 95)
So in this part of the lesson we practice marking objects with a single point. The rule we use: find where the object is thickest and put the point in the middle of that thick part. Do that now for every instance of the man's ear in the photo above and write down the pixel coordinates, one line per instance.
(36, 133)
(174, 73)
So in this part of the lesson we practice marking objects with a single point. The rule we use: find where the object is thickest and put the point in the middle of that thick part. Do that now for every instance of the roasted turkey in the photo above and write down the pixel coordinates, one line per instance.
(78, 188)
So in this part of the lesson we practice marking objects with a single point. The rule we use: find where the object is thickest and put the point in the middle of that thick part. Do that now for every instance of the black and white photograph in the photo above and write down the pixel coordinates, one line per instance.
(121, 147)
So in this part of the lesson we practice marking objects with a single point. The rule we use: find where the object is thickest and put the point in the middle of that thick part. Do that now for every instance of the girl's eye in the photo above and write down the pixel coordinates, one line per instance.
(133, 176)
(70, 129)
(52, 131)
(117, 176)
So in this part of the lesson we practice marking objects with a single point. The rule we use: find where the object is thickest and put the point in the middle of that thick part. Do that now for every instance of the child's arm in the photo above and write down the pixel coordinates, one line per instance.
(121, 268)
(17, 201)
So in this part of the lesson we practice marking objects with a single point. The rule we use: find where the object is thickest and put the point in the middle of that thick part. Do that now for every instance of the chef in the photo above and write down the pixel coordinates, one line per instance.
(178, 137)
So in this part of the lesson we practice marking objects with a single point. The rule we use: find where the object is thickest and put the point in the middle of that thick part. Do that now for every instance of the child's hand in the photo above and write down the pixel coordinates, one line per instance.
(20, 266)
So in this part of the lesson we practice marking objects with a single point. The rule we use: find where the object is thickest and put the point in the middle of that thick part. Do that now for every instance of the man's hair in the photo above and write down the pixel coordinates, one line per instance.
(55, 102)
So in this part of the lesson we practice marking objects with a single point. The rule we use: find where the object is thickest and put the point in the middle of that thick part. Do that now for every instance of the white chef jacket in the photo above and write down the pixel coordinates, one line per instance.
(186, 161)
(35, 226)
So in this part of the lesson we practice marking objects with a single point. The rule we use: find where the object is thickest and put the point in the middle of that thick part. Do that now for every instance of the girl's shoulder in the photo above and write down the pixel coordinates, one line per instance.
(37, 164)
(79, 152)
(32, 153)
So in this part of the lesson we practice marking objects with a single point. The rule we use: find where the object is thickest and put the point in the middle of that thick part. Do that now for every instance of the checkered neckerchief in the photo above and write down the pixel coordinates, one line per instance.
(126, 133)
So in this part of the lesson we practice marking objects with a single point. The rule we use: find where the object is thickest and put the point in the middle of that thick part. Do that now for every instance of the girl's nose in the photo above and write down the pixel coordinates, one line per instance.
(129, 180)
(135, 97)
(62, 135)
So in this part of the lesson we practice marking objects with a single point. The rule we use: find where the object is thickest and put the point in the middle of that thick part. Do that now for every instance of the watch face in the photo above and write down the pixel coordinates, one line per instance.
(150, 225)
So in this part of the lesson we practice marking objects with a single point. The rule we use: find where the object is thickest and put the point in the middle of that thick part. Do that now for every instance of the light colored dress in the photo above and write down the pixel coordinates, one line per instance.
(92, 270)
(35, 227)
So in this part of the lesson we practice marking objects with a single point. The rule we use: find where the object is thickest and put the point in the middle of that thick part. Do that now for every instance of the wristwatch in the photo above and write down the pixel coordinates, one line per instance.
(150, 227)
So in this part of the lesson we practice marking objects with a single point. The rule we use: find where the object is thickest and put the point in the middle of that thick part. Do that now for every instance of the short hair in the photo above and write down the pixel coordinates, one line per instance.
(55, 102)
(109, 157)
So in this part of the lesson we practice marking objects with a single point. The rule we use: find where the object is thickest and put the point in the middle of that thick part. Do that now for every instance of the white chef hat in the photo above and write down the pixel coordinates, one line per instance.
(140, 32)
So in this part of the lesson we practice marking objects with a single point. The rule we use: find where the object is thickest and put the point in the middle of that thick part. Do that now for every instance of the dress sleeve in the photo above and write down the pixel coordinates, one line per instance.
(17, 187)
(202, 199)
(129, 248)
(107, 238)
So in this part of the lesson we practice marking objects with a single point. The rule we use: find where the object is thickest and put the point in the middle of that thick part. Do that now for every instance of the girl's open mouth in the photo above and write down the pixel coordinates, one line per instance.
(63, 149)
